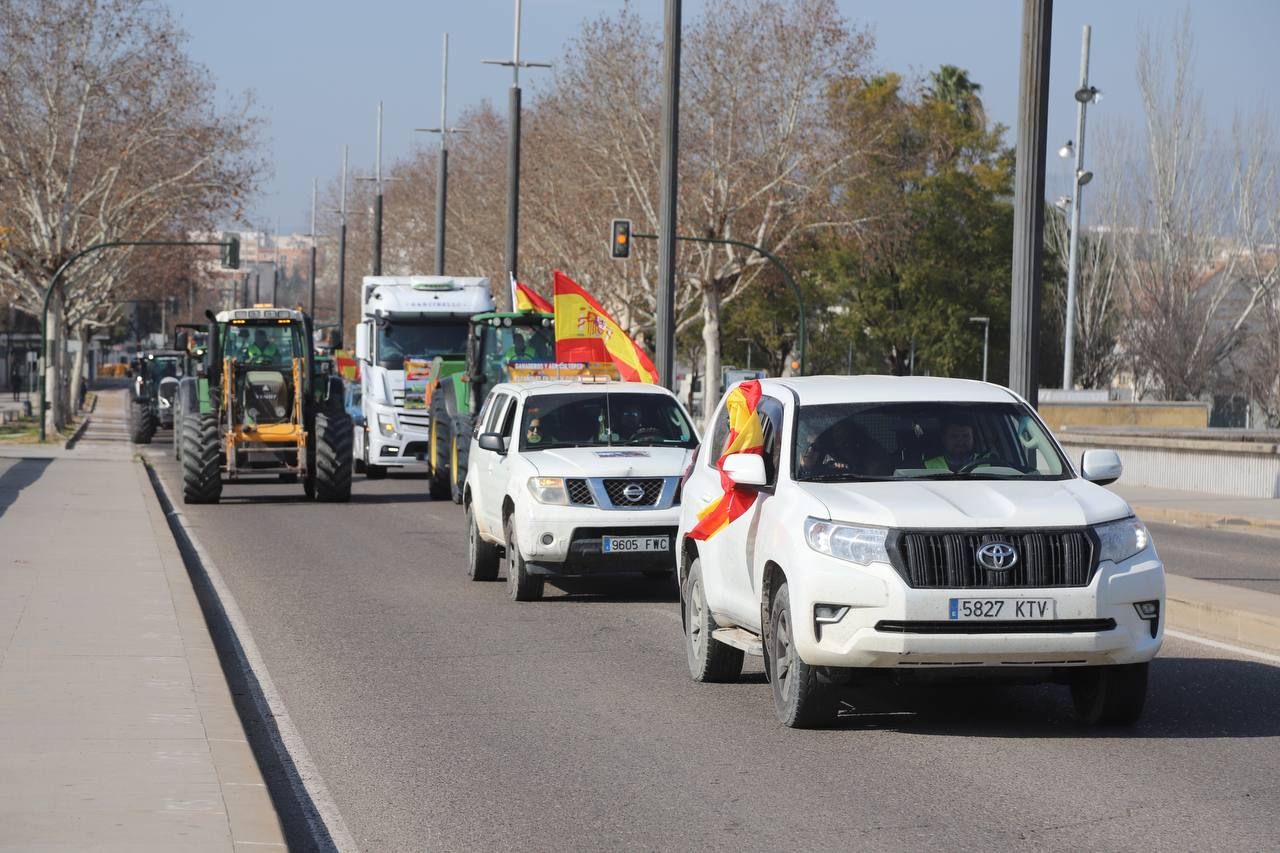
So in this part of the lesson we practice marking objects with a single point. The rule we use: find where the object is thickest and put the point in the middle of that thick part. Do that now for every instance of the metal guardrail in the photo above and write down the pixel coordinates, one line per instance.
(1221, 462)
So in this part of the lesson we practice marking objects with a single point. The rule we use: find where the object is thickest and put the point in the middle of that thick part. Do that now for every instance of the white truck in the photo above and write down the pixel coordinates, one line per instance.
(405, 322)
(575, 479)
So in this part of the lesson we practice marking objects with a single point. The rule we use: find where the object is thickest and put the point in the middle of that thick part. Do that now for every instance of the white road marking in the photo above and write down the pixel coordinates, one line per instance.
(1226, 647)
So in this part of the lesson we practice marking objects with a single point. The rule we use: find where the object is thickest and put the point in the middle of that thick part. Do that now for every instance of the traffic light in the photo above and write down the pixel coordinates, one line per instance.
(620, 247)
(231, 254)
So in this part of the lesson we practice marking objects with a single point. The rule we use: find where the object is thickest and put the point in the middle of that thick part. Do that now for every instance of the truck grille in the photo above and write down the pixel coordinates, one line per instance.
(650, 490)
(935, 559)
(416, 419)
(579, 492)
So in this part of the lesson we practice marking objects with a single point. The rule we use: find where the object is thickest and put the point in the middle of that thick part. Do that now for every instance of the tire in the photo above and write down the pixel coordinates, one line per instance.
(520, 584)
(201, 459)
(375, 472)
(710, 661)
(440, 449)
(142, 421)
(463, 426)
(1110, 695)
(332, 472)
(482, 556)
(800, 699)
(358, 463)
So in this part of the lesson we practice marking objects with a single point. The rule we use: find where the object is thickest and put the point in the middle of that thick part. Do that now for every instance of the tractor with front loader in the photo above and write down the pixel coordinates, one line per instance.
(263, 406)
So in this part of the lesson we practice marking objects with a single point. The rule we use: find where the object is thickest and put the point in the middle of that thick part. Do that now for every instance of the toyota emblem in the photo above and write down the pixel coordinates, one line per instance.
(633, 492)
(997, 556)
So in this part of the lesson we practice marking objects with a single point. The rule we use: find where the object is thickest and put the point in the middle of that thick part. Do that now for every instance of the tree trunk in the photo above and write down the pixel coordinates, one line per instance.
(711, 353)
(56, 418)
(77, 371)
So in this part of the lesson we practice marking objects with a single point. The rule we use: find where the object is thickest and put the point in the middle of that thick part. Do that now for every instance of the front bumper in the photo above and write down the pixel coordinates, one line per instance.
(406, 447)
(566, 540)
(889, 624)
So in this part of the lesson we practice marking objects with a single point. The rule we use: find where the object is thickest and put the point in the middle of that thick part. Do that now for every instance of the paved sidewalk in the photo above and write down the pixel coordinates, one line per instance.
(117, 729)
(1199, 509)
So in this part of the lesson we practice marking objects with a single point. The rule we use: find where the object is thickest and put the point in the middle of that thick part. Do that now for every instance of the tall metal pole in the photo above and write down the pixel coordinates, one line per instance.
(342, 253)
(442, 170)
(311, 304)
(513, 160)
(377, 201)
(1028, 199)
(1069, 345)
(668, 179)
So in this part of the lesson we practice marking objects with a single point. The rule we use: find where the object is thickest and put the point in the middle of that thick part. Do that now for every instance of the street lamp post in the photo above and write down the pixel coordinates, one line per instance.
(513, 158)
(986, 341)
(1085, 95)
(442, 167)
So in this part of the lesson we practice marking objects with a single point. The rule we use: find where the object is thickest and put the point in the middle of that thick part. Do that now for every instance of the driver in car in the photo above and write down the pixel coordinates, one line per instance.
(957, 448)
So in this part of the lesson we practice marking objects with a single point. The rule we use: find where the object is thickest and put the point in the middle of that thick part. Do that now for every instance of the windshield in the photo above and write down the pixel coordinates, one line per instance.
(277, 343)
(604, 420)
(853, 442)
(505, 344)
(398, 340)
(165, 366)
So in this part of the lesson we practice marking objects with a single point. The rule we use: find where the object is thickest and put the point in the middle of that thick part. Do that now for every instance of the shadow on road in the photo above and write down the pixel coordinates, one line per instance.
(396, 498)
(20, 474)
(1187, 698)
(611, 590)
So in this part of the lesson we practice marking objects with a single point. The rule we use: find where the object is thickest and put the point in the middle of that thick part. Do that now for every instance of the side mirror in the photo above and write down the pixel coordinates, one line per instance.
(746, 469)
(362, 342)
(493, 441)
(1101, 466)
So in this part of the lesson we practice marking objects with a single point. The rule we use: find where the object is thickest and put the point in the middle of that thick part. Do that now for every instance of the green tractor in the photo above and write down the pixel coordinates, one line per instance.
(156, 374)
(191, 340)
(263, 406)
(456, 389)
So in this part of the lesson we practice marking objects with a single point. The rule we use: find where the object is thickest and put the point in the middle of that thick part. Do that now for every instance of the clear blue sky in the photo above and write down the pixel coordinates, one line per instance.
(318, 68)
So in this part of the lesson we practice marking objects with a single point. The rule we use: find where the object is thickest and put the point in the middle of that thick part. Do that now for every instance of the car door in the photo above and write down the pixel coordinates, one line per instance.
(727, 556)
(486, 491)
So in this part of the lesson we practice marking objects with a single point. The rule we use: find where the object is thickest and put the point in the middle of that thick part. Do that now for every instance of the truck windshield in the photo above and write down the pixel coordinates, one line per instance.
(853, 442)
(398, 340)
(604, 420)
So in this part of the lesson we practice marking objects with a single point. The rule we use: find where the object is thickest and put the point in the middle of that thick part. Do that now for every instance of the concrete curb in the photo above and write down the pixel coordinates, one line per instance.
(1200, 518)
(1223, 612)
(300, 792)
(70, 443)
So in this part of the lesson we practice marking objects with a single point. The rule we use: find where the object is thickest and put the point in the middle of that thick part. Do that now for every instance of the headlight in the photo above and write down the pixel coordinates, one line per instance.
(1121, 539)
(548, 490)
(164, 402)
(861, 545)
(386, 424)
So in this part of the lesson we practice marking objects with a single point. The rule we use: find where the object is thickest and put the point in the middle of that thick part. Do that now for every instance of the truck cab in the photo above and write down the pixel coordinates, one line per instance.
(407, 322)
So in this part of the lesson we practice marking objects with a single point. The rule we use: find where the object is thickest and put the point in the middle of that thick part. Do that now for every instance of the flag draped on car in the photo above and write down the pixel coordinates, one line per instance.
(525, 298)
(586, 333)
(745, 436)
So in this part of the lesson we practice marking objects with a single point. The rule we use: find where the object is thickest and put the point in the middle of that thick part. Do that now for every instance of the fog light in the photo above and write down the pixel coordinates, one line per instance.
(829, 614)
(547, 539)
(1150, 611)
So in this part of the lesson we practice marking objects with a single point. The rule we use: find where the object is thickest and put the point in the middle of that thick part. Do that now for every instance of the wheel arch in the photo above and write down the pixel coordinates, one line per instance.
(771, 579)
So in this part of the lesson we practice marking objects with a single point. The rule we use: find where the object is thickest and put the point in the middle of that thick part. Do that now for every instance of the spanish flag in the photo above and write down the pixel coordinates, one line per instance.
(527, 299)
(586, 332)
(745, 436)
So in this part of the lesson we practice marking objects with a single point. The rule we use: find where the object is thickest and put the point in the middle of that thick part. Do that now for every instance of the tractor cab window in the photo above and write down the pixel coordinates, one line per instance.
(261, 343)
(502, 345)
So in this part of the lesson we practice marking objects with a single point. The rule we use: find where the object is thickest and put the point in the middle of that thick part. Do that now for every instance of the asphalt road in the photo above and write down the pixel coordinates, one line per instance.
(1223, 556)
(443, 716)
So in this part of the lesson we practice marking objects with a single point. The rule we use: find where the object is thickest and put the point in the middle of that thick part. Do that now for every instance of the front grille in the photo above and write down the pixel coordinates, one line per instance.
(1046, 626)
(948, 559)
(579, 493)
(415, 420)
(650, 492)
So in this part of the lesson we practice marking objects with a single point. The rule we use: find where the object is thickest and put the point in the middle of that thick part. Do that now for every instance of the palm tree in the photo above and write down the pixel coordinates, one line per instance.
(951, 85)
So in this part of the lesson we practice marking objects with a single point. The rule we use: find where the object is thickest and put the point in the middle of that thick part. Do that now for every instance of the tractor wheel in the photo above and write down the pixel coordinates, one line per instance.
(142, 422)
(201, 459)
(332, 470)
(440, 453)
(461, 451)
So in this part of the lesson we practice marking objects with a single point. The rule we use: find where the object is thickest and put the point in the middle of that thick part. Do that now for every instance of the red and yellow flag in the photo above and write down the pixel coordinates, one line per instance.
(586, 332)
(745, 436)
(527, 299)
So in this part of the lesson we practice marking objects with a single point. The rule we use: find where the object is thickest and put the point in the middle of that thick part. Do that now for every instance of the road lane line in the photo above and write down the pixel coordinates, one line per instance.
(1226, 647)
(327, 828)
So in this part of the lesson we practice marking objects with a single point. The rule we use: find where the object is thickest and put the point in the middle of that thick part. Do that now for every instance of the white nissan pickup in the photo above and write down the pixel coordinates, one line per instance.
(572, 478)
(912, 524)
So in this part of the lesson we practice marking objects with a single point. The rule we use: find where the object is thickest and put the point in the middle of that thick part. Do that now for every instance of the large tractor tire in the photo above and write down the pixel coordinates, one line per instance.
(201, 459)
(333, 442)
(461, 452)
(142, 421)
(440, 453)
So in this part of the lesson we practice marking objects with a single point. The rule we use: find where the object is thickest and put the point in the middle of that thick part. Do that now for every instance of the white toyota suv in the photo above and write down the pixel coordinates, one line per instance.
(912, 523)
(575, 478)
